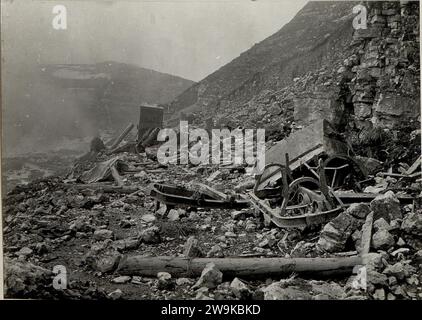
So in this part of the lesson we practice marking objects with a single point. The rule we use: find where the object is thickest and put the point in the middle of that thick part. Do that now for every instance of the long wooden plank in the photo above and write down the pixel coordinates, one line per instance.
(236, 267)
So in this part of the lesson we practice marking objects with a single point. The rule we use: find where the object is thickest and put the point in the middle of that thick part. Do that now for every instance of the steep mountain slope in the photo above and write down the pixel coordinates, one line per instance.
(319, 66)
(302, 45)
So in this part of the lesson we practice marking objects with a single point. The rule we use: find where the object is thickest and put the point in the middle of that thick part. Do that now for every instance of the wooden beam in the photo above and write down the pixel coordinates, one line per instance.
(236, 267)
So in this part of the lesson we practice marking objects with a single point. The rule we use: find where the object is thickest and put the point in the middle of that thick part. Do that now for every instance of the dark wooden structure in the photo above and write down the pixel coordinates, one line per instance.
(150, 117)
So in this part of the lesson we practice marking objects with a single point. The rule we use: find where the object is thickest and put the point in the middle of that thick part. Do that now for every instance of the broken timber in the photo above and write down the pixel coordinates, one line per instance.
(237, 267)
(122, 136)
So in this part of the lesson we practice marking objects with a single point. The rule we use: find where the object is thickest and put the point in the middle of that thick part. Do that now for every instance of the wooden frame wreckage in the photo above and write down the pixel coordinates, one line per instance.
(302, 176)
(298, 187)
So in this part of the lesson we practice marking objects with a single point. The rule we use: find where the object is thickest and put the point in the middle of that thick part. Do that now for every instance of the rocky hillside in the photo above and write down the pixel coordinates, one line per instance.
(302, 45)
(46, 104)
(319, 66)
(113, 91)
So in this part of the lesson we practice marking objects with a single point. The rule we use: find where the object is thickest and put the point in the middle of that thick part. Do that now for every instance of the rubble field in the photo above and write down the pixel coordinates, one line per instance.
(97, 217)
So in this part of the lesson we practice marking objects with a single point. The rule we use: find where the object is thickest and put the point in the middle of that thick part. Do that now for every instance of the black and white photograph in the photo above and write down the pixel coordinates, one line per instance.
(219, 150)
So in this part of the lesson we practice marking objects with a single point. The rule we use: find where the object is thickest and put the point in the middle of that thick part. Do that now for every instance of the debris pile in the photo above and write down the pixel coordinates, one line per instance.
(125, 226)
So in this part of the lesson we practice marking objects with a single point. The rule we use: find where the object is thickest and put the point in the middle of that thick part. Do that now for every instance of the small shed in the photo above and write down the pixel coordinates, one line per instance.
(150, 117)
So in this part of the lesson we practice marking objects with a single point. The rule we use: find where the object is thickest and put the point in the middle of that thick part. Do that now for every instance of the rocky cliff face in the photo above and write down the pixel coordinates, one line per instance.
(319, 66)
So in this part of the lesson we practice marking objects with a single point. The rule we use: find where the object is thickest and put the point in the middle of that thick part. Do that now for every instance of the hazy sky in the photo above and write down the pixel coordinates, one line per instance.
(181, 37)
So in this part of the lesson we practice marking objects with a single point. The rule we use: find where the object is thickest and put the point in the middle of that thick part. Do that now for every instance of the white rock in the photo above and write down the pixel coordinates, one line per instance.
(25, 251)
(148, 218)
(240, 289)
(121, 279)
(116, 294)
(103, 234)
(211, 277)
(173, 215)
(382, 239)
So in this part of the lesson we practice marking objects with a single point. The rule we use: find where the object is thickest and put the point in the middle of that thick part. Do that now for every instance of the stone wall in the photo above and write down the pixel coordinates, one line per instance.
(385, 64)
(378, 82)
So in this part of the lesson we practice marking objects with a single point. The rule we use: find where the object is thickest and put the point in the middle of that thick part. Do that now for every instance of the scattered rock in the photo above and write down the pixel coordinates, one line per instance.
(162, 210)
(103, 234)
(103, 257)
(202, 294)
(173, 215)
(238, 215)
(381, 224)
(375, 278)
(192, 249)
(279, 291)
(164, 281)
(25, 251)
(379, 294)
(401, 242)
(121, 279)
(412, 224)
(358, 210)
(373, 260)
(327, 291)
(240, 289)
(126, 244)
(151, 235)
(230, 234)
(183, 282)
(386, 206)
(116, 294)
(250, 226)
(335, 234)
(399, 270)
(25, 280)
(215, 252)
(382, 239)
(210, 278)
(148, 218)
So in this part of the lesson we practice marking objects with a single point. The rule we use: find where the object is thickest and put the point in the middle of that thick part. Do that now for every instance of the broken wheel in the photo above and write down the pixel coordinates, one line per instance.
(302, 197)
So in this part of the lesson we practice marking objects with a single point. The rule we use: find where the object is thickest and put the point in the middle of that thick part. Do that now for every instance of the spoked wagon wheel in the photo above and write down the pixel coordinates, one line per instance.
(269, 191)
(303, 196)
(342, 171)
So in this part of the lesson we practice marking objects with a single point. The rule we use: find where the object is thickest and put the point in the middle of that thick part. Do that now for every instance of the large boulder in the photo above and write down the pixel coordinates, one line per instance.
(327, 290)
(25, 280)
(192, 249)
(210, 278)
(382, 240)
(386, 206)
(151, 235)
(280, 291)
(335, 234)
(399, 270)
(412, 224)
(103, 234)
(103, 257)
(240, 289)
